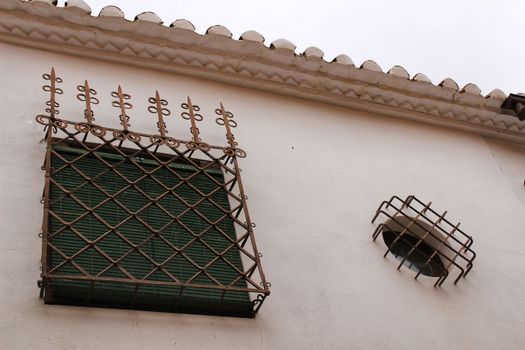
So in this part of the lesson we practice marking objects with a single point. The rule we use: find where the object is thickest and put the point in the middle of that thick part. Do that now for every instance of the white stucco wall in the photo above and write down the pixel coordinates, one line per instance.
(314, 176)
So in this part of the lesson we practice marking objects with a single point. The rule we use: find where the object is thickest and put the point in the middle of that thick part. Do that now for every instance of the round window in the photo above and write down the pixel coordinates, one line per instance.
(409, 240)
(416, 259)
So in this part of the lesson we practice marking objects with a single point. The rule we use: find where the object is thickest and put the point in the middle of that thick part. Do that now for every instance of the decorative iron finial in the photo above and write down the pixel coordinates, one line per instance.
(193, 117)
(123, 105)
(52, 104)
(53, 90)
(226, 119)
(157, 107)
(196, 142)
(87, 95)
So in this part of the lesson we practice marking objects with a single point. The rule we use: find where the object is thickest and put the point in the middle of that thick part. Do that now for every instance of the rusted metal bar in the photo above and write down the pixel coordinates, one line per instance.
(264, 283)
(152, 282)
(53, 111)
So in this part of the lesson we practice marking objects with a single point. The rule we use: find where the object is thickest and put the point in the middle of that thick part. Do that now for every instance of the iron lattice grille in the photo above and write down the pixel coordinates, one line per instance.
(145, 221)
(425, 241)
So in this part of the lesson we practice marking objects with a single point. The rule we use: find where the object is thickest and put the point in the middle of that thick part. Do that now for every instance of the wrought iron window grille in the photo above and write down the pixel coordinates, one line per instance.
(175, 208)
(423, 240)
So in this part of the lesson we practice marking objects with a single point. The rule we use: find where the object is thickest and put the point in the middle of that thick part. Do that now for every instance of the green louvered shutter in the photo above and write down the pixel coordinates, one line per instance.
(78, 177)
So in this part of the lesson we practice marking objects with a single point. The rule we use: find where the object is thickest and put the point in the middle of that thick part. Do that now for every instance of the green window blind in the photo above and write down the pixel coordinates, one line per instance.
(113, 220)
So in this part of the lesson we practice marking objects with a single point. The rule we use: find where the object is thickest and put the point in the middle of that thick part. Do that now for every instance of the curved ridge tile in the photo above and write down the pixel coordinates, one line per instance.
(497, 94)
(79, 4)
(371, 65)
(343, 59)
(219, 30)
(472, 89)
(283, 44)
(182, 24)
(398, 71)
(449, 84)
(111, 11)
(50, 2)
(148, 16)
(422, 77)
(252, 35)
(313, 52)
(368, 85)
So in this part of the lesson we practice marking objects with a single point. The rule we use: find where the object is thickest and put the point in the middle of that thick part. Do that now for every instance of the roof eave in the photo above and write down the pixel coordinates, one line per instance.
(251, 64)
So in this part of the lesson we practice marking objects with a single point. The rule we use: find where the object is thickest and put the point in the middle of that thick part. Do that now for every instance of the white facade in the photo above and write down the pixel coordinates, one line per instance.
(315, 174)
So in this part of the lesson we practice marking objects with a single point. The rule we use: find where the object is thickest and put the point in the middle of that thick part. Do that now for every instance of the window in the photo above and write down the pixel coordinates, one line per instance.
(154, 226)
(414, 247)
(423, 240)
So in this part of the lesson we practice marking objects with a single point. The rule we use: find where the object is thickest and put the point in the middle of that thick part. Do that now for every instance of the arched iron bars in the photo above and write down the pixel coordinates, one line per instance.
(450, 243)
(224, 157)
